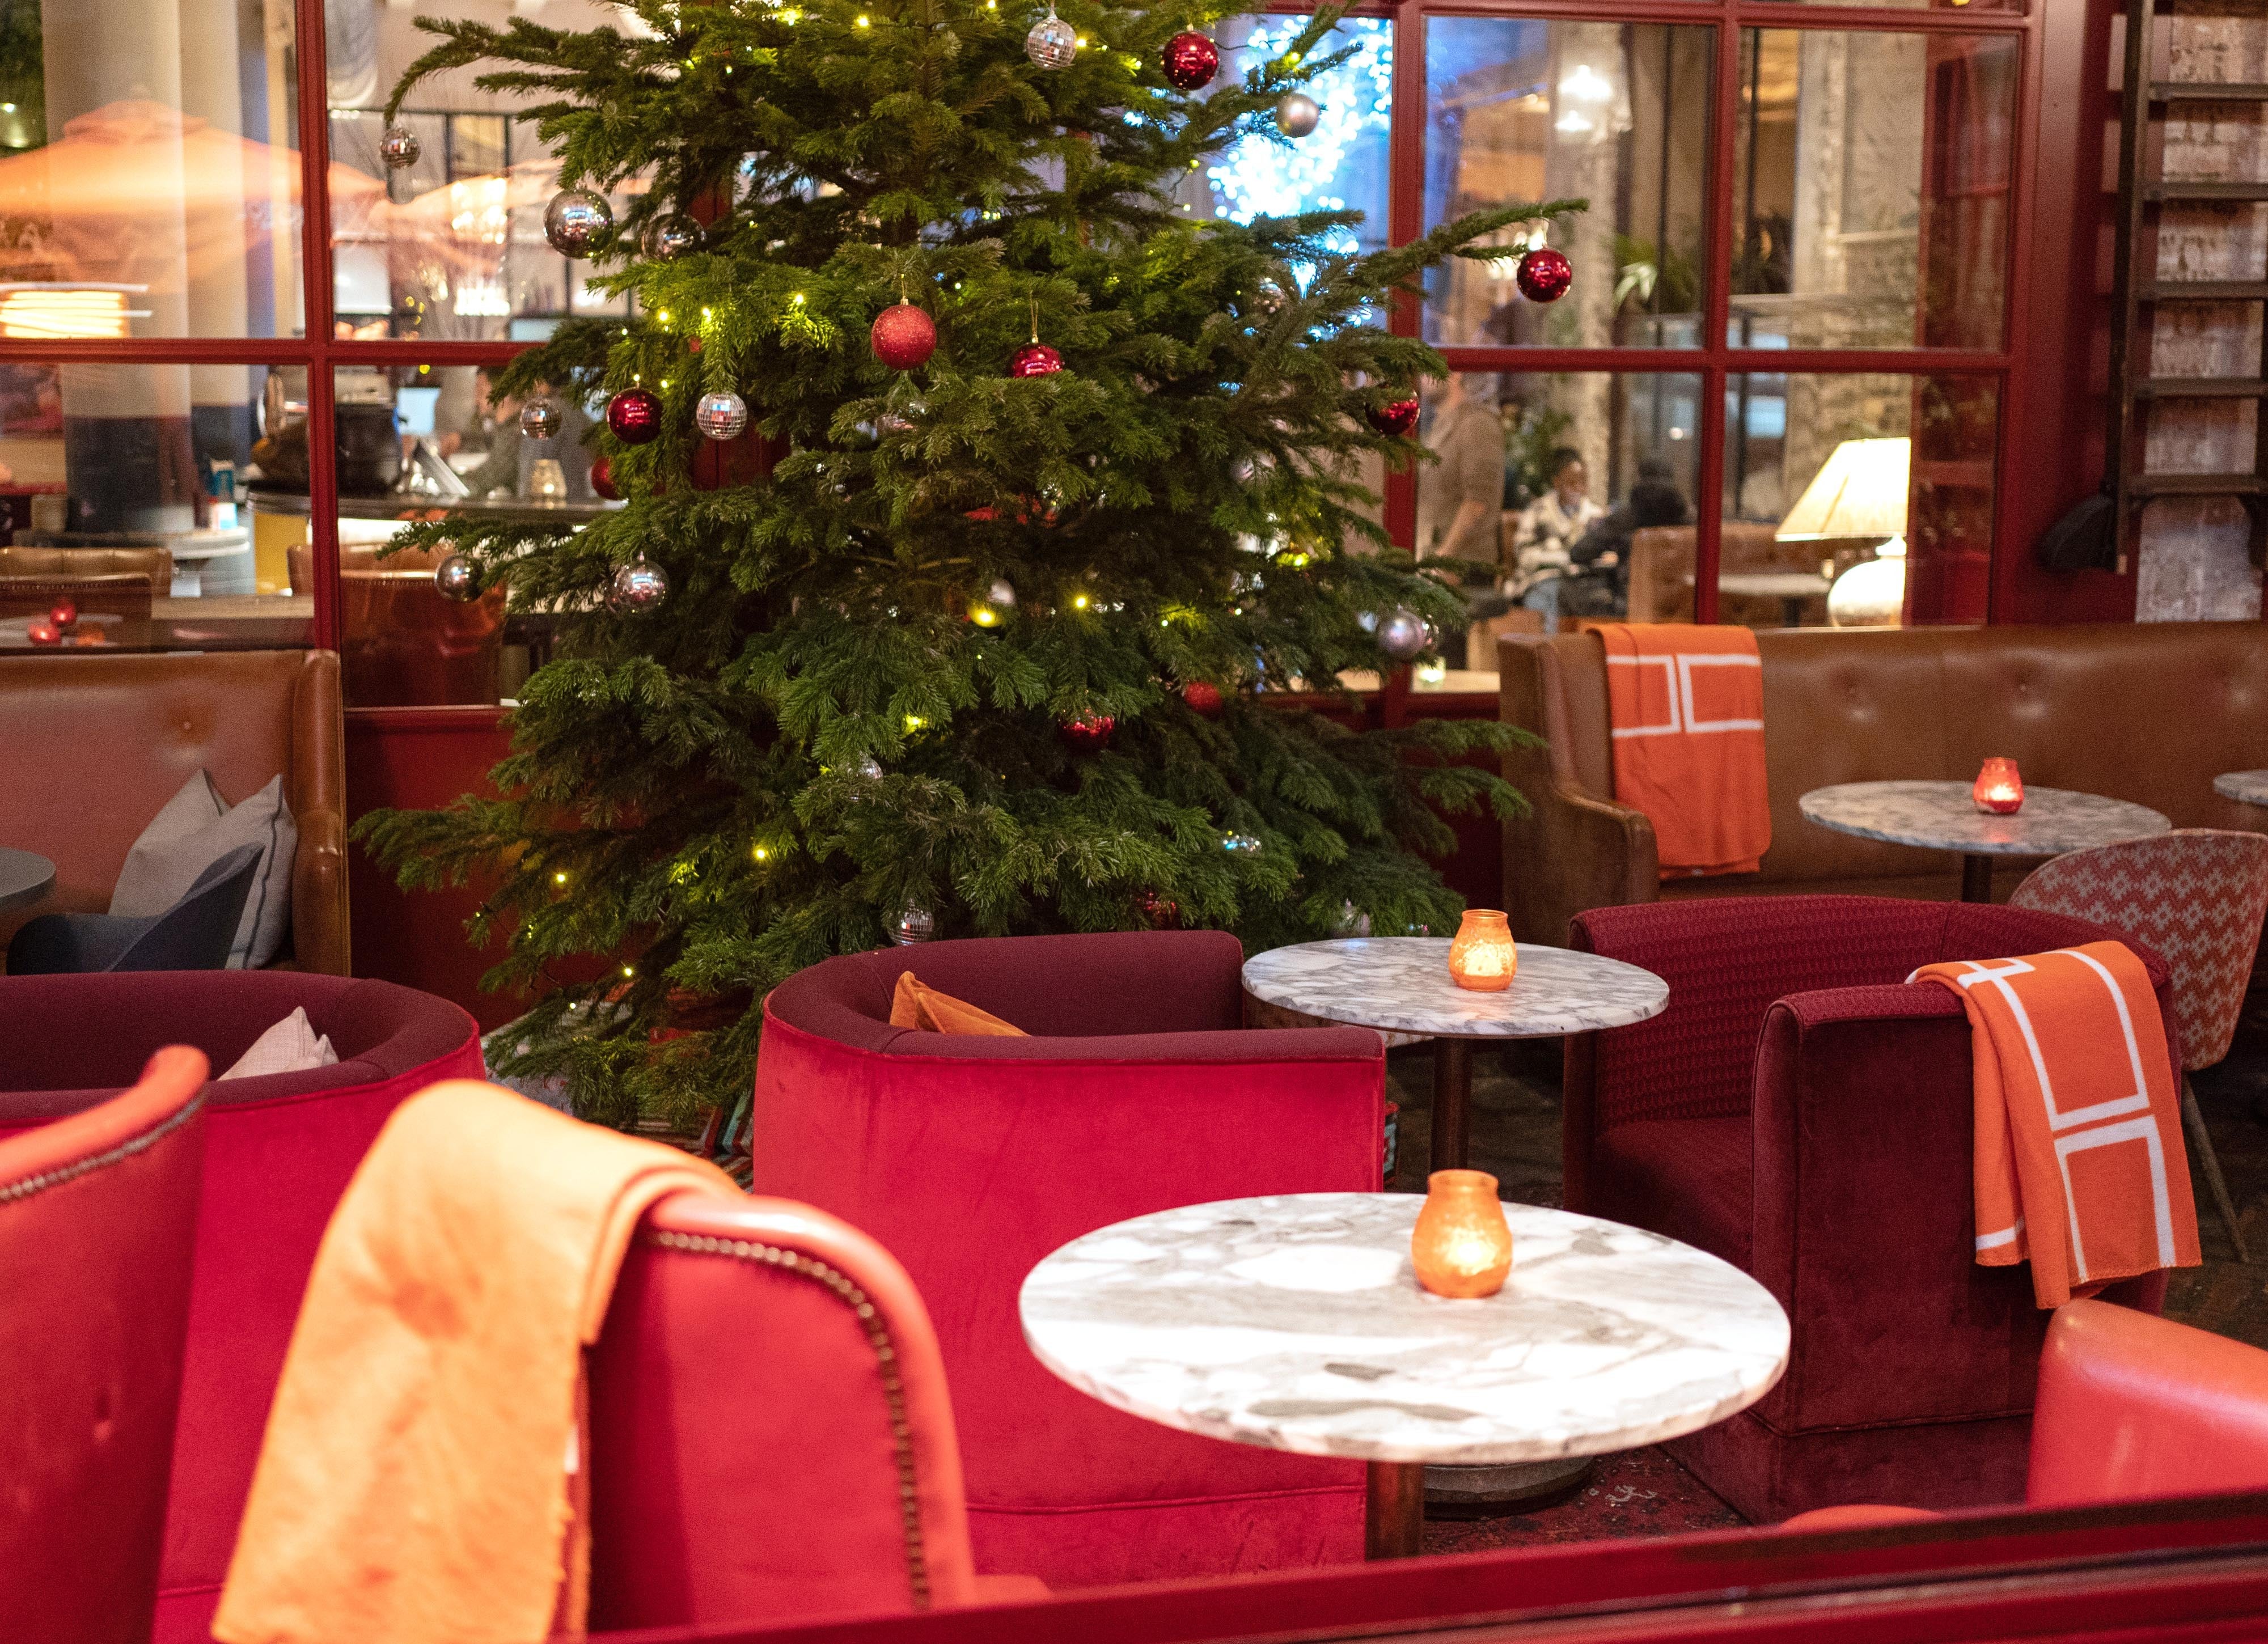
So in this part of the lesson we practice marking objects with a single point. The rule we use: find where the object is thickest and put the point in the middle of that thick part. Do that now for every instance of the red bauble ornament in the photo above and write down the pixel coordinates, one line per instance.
(1089, 733)
(634, 415)
(1036, 359)
(1396, 416)
(63, 613)
(1544, 275)
(903, 337)
(602, 480)
(42, 632)
(1190, 61)
(1162, 912)
(1204, 697)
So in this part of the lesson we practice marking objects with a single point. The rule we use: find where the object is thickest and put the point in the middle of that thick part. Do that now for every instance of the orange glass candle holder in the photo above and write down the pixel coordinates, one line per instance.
(1462, 1245)
(1999, 790)
(1483, 956)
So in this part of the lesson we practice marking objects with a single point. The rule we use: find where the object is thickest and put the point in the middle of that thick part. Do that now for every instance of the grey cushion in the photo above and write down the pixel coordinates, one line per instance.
(196, 828)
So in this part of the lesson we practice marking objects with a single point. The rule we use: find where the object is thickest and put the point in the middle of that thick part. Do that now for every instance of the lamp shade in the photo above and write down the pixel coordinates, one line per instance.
(1860, 491)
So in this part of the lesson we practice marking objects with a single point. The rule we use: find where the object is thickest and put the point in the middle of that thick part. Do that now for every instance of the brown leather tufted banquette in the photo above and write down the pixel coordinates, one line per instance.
(2148, 712)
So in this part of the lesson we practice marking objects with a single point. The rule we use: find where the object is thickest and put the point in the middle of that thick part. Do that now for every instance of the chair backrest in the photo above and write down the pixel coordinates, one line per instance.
(157, 564)
(1663, 560)
(770, 1433)
(195, 933)
(2196, 895)
(97, 1225)
(123, 595)
(2133, 1407)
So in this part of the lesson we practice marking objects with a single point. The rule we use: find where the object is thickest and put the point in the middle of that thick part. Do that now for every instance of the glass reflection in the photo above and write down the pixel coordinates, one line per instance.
(1520, 109)
(1871, 175)
(1856, 501)
(149, 181)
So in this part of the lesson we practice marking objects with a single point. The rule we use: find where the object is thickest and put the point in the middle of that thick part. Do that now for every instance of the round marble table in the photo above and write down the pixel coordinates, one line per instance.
(1401, 986)
(1941, 816)
(2250, 787)
(1294, 1323)
(25, 878)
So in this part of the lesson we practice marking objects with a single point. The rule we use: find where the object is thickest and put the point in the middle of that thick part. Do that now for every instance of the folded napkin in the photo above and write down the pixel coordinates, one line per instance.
(2079, 1165)
(916, 1005)
(419, 1480)
(1685, 706)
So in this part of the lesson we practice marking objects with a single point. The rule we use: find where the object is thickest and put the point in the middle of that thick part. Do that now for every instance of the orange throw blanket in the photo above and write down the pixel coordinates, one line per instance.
(915, 1005)
(2079, 1165)
(1686, 706)
(414, 1485)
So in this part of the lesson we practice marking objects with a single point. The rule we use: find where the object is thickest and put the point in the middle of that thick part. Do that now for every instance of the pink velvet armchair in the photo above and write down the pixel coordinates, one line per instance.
(970, 1158)
(1801, 1111)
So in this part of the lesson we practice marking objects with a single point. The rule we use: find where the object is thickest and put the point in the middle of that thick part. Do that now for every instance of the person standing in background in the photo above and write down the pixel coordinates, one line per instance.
(1461, 497)
(1544, 541)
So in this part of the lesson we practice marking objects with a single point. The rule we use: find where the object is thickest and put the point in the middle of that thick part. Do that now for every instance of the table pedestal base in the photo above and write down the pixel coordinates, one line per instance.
(1976, 878)
(1453, 1097)
(1394, 1520)
(1458, 1492)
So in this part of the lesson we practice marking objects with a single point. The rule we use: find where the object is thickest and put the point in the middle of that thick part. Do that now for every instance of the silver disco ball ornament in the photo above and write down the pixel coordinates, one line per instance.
(914, 923)
(575, 220)
(1296, 114)
(722, 416)
(539, 419)
(639, 586)
(1052, 43)
(400, 148)
(1403, 634)
(1240, 844)
(455, 579)
(870, 768)
(669, 237)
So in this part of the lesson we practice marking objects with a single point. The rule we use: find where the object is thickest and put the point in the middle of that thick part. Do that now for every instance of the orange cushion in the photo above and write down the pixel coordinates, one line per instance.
(915, 1006)
(1857, 1516)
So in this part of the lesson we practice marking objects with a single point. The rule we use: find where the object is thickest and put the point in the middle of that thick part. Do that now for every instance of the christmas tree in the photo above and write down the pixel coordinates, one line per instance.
(1063, 504)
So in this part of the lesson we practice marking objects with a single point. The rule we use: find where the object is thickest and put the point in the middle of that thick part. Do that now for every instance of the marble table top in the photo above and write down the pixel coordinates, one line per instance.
(2251, 787)
(1294, 1323)
(1942, 815)
(25, 878)
(1401, 984)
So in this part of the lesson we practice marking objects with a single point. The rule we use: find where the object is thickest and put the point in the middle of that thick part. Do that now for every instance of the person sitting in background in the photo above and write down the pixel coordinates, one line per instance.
(1599, 586)
(1544, 541)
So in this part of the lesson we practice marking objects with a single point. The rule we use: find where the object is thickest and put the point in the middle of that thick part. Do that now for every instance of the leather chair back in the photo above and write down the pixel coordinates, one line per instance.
(97, 744)
(97, 1225)
(771, 1435)
(1661, 570)
(123, 596)
(2133, 1407)
(405, 644)
(156, 565)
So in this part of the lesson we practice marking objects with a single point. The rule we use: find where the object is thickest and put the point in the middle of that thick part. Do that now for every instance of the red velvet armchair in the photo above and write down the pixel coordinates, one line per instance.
(98, 1214)
(1801, 1112)
(970, 1158)
(278, 1153)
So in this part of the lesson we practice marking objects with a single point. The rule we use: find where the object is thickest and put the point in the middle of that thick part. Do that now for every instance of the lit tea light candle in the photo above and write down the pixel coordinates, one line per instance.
(1462, 1245)
(1999, 790)
(1483, 956)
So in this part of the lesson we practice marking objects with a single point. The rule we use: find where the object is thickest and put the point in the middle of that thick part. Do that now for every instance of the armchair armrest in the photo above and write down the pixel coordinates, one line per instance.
(318, 895)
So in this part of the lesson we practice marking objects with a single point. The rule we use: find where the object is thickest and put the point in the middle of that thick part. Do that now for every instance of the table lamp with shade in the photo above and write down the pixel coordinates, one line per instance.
(1860, 491)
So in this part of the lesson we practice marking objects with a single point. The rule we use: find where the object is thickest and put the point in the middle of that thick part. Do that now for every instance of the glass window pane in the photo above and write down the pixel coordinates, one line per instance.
(1858, 500)
(1871, 178)
(149, 174)
(1341, 166)
(1617, 113)
(1543, 479)
(411, 440)
(123, 493)
(455, 246)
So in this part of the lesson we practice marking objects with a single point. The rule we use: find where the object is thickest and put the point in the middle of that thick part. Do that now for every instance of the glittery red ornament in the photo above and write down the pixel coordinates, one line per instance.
(1203, 696)
(42, 632)
(1396, 416)
(903, 337)
(1190, 61)
(1544, 275)
(63, 612)
(634, 415)
(1162, 912)
(1089, 733)
(1036, 359)
(602, 480)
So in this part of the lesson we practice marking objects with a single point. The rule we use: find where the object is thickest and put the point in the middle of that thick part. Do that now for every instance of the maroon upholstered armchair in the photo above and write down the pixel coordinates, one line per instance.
(1801, 1111)
(970, 1158)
